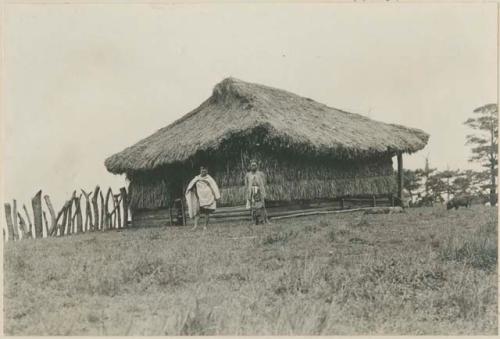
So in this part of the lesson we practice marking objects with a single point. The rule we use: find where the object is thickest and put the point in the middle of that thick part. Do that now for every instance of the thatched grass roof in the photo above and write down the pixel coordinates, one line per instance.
(237, 107)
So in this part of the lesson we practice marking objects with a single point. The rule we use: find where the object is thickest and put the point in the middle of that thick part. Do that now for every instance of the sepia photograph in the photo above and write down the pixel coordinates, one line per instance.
(248, 169)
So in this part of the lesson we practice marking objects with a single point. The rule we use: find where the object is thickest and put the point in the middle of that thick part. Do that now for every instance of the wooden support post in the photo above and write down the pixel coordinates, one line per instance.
(30, 229)
(95, 207)
(124, 195)
(341, 203)
(374, 201)
(8, 216)
(36, 203)
(17, 234)
(400, 178)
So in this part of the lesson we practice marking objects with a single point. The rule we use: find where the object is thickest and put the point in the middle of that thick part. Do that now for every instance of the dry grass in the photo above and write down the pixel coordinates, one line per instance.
(429, 271)
(237, 109)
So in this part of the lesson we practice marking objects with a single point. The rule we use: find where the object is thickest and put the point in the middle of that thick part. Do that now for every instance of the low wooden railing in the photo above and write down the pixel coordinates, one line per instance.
(178, 216)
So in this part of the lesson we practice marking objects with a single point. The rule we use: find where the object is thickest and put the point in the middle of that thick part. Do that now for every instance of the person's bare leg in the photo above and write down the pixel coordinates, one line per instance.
(196, 218)
(207, 219)
(266, 218)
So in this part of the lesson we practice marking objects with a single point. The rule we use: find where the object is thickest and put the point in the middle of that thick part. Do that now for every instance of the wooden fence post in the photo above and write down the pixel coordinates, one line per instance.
(69, 228)
(70, 213)
(36, 203)
(78, 215)
(107, 221)
(124, 194)
(64, 229)
(95, 207)
(103, 211)
(17, 233)
(113, 213)
(8, 216)
(22, 226)
(73, 220)
(118, 214)
(53, 230)
(46, 224)
(30, 230)
(53, 218)
(89, 223)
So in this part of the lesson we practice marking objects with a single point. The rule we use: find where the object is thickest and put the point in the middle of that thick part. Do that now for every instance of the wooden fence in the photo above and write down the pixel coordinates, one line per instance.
(100, 212)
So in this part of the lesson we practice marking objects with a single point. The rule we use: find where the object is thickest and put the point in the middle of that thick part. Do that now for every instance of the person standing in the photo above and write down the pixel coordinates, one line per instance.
(202, 194)
(255, 184)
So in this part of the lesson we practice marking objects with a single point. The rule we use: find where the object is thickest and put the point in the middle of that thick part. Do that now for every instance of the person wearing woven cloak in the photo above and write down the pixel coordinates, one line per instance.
(202, 194)
(255, 185)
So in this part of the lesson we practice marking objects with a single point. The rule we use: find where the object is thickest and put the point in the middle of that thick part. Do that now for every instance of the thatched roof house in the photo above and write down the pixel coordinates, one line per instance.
(307, 149)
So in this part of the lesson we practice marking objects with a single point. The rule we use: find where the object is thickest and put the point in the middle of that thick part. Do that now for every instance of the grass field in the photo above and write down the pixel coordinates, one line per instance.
(427, 271)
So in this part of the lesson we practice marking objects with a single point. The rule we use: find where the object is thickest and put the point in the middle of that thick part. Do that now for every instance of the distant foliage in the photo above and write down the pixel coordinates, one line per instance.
(429, 185)
(411, 181)
(484, 144)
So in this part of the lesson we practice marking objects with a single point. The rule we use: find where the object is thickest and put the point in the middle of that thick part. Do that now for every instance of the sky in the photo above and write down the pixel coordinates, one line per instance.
(82, 82)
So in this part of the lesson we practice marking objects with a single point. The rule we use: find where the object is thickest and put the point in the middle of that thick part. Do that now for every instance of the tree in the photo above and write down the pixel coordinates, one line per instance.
(411, 182)
(446, 176)
(425, 174)
(436, 187)
(472, 182)
(484, 142)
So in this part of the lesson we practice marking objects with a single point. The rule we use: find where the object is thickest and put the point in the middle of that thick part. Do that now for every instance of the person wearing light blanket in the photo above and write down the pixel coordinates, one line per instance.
(202, 194)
